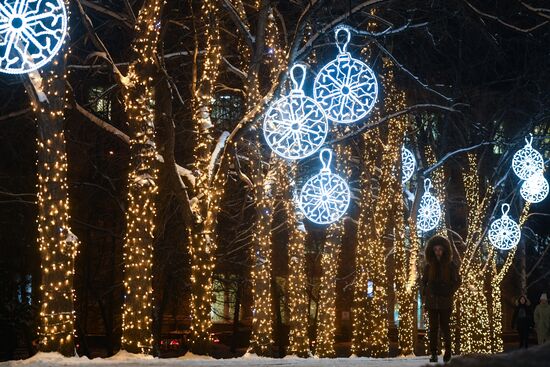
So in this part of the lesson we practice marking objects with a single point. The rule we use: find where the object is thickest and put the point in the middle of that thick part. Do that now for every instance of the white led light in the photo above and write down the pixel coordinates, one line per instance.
(325, 197)
(408, 164)
(295, 126)
(535, 188)
(527, 161)
(504, 233)
(31, 33)
(429, 210)
(346, 88)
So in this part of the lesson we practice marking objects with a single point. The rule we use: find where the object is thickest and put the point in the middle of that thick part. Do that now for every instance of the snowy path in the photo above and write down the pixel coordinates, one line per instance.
(123, 359)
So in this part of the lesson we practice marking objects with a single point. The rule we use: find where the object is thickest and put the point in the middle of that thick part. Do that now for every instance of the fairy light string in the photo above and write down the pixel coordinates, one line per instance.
(58, 246)
(297, 268)
(208, 190)
(330, 258)
(138, 90)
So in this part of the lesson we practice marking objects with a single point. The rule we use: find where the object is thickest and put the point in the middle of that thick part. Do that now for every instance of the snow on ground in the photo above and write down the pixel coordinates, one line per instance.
(124, 359)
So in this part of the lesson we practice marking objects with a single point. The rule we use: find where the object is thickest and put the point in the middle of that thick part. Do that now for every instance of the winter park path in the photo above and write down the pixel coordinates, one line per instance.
(124, 359)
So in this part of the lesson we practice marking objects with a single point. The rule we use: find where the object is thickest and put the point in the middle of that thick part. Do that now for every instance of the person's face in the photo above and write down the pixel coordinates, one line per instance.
(522, 300)
(438, 251)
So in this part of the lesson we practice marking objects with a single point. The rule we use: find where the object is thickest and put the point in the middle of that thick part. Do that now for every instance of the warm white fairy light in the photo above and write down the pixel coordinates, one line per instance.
(31, 33)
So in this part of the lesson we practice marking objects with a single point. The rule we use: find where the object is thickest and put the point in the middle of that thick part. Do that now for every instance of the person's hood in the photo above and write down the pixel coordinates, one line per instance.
(527, 303)
(438, 241)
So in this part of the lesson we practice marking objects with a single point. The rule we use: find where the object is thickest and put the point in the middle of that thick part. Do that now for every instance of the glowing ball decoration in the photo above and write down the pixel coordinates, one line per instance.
(295, 126)
(408, 165)
(429, 210)
(504, 233)
(31, 33)
(527, 161)
(325, 197)
(535, 188)
(346, 88)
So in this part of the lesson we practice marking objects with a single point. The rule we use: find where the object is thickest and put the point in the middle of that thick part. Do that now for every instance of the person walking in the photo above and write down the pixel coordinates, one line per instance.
(542, 319)
(522, 320)
(440, 281)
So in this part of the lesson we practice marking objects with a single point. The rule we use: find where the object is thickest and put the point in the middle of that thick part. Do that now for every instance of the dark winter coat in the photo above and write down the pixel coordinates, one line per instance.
(440, 279)
(523, 317)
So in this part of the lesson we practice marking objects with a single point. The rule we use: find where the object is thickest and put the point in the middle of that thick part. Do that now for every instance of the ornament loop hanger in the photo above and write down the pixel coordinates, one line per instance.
(427, 184)
(342, 47)
(505, 208)
(530, 140)
(327, 162)
(298, 85)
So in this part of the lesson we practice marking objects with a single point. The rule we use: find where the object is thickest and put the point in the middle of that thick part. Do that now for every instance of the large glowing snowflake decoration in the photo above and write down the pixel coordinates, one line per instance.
(504, 233)
(429, 210)
(295, 126)
(346, 88)
(325, 197)
(535, 188)
(408, 165)
(31, 33)
(527, 161)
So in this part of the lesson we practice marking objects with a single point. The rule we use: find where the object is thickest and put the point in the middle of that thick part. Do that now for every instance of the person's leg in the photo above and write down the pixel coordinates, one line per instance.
(445, 320)
(433, 316)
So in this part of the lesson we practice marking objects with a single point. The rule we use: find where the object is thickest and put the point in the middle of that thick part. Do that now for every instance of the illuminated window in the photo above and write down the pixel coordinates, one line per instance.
(226, 109)
(98, 98)
(223, 307)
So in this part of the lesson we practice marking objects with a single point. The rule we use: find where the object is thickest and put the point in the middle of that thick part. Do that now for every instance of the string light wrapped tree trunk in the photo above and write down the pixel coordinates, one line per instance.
(326, 319)
(208, 186)
(142, 183)
(297, 268)
(57, 244)
(371, 325)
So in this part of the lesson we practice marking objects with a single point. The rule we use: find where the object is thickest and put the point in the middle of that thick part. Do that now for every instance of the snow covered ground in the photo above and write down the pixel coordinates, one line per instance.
(123, 359)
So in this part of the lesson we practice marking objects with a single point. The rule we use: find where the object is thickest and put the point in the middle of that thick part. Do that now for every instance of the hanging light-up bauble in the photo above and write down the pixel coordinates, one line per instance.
(535, 188)
(325, 197)
(346, 88)
(295, 126)
(429, 210)
(31, 33)
(408, 165)
(504, 233)
(527, 161)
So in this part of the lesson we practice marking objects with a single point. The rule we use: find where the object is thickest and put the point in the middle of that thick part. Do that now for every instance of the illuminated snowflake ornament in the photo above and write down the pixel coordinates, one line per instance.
(325, 197)
(408, 165)
(31, 33)
(346, 88)
(429, 210)
(295, 126)
(527, 161)
(504, 233)
(535, 188)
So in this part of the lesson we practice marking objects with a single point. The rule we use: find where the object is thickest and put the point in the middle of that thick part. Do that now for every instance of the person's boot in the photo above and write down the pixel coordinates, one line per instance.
(447, 356)
(433, 358)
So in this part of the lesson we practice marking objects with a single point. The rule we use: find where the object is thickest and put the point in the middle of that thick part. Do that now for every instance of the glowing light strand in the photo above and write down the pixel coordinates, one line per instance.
(346, 88)
(31, 33)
